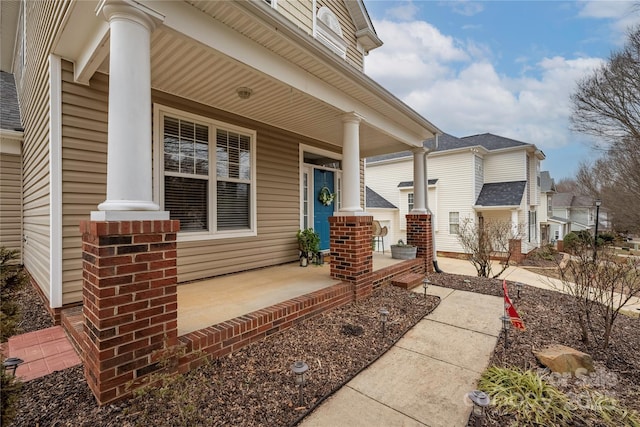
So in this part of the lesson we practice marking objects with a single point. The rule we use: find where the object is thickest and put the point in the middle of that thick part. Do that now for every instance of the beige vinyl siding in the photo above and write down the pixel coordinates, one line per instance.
(84, 168)
(354, 55)
(10, 201)
(278, 203)
(505, 167)
(300, 12)
(43, 19)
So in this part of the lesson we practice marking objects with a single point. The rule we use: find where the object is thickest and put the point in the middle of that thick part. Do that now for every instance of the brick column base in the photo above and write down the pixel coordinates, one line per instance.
(130, 301)
(515, 248)
(419, 234)
(351, 252)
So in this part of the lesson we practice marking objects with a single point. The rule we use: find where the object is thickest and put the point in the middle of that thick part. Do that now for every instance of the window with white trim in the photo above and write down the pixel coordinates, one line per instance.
(207, 200)
(410, 202)
(329, 32)
(454, 222)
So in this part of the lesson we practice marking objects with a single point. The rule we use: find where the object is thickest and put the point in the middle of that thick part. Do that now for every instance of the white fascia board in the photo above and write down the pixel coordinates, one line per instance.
(11, 142)
(55, 176)
(198, 26)
(497, 208)
(83, 38)
(476, 149)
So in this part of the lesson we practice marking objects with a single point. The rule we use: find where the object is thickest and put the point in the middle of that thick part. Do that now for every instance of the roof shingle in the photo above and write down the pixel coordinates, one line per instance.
(501, 194)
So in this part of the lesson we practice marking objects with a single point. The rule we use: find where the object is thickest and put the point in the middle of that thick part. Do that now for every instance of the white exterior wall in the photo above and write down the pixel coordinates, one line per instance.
(455, 193)
(505, 166)
(534, 179)
(388, 218)
(383, 178)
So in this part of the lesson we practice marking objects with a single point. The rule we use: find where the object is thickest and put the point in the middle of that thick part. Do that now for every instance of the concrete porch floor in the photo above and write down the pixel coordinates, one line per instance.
(208, 302)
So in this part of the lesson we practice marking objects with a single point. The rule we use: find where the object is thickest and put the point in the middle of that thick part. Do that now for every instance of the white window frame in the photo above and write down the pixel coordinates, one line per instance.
(410, 202)
(159, 111)
(330, 35)
(454, 223)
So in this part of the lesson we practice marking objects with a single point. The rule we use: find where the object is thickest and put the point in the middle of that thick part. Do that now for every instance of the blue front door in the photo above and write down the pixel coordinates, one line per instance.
(322, 212)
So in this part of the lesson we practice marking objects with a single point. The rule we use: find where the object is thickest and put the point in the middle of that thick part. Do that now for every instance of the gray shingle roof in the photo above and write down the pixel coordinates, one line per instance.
(410, 183)
(501, 194)
(562, 200)
(547, 184)
(449, 142)
(9, 108)
(374, 200)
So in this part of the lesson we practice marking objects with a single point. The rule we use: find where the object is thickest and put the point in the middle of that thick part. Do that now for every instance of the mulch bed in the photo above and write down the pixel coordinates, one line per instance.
(252, 387)
(549, 319)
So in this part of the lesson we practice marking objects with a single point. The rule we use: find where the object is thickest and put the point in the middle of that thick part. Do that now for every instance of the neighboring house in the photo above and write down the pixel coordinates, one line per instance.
(227, 116)
(545, 210)
(480, 176)
(578, 212)
(386, 213)
(10, 165)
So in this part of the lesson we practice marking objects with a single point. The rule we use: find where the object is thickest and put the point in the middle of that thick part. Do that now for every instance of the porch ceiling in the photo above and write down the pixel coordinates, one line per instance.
(205, 50)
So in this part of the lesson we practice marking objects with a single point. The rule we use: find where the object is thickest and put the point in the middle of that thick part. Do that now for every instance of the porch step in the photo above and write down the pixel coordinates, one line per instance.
(408, 281)
(72, 321)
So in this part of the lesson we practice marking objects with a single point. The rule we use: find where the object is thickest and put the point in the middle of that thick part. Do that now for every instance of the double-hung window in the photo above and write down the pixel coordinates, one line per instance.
(205, 174)
(454, 222)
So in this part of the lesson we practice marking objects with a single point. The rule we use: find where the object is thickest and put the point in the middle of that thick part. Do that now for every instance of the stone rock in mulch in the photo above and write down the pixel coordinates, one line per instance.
(563, 359)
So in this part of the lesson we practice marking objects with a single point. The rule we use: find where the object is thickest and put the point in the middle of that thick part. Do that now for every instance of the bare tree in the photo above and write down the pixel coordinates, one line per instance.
(485, 240)
(615, 178)
(567, 185)
(606, 104)
(600, 288)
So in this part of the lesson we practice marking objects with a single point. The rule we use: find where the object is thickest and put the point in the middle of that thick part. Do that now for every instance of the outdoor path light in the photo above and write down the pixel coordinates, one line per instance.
(384, 316)
(425, 284)
(518, 289)
(480, 402)
(299, 368)
(11, 364)
(506, 324)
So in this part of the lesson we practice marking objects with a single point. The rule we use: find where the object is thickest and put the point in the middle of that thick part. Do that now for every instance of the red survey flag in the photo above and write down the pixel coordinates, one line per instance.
(516, 321)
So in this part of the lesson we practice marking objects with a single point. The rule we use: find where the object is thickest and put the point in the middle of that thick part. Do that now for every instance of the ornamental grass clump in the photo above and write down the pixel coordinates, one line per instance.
(526, 396)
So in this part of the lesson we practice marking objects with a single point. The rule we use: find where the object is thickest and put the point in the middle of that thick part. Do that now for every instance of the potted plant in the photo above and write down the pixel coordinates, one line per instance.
(402, 251)
(309, 245)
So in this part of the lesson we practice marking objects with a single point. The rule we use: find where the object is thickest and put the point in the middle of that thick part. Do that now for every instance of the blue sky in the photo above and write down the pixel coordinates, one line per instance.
(505, 67)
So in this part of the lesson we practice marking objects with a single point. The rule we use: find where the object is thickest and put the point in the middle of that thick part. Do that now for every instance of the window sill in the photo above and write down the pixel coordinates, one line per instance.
(196, 236)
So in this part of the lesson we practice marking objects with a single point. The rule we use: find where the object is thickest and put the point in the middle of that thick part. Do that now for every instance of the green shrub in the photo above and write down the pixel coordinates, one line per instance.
(9, 395)
(526, 396)
(12, 279)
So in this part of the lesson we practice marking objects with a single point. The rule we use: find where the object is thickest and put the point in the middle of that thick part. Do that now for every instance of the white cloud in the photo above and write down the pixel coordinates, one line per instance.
(404, 12)
(454, 85)
(621, 15)
(466, 7)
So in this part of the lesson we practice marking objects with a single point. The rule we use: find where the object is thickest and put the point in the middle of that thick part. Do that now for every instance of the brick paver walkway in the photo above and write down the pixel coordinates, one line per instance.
(43, 352)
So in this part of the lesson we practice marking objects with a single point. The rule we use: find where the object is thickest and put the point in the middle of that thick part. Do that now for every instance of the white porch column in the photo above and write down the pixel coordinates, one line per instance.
(514, 223)
(129, 175)
(419, 181)
(351, 164)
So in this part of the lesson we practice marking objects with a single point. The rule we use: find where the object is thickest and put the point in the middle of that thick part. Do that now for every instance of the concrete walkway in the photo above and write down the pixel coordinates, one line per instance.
(519, 274)
(424, 378)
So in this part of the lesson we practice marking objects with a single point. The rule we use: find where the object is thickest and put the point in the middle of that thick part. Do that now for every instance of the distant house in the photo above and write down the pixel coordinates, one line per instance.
(578, 213)
(480, 176)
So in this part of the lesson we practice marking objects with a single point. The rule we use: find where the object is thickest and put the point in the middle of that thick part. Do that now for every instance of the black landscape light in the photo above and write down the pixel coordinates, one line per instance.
(11, 364)
(425, 284)
(518, 289)
(384, 317)
(506, 324)
(299, 368)
(480, 401)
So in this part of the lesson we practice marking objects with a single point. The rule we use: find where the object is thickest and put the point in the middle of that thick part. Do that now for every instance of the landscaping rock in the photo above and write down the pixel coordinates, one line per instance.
(563, 359)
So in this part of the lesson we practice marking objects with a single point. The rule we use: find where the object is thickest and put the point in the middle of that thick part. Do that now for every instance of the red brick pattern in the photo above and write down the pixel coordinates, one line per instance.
(351, 252)
(129, 301)
(515, 249)
(419, 234)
